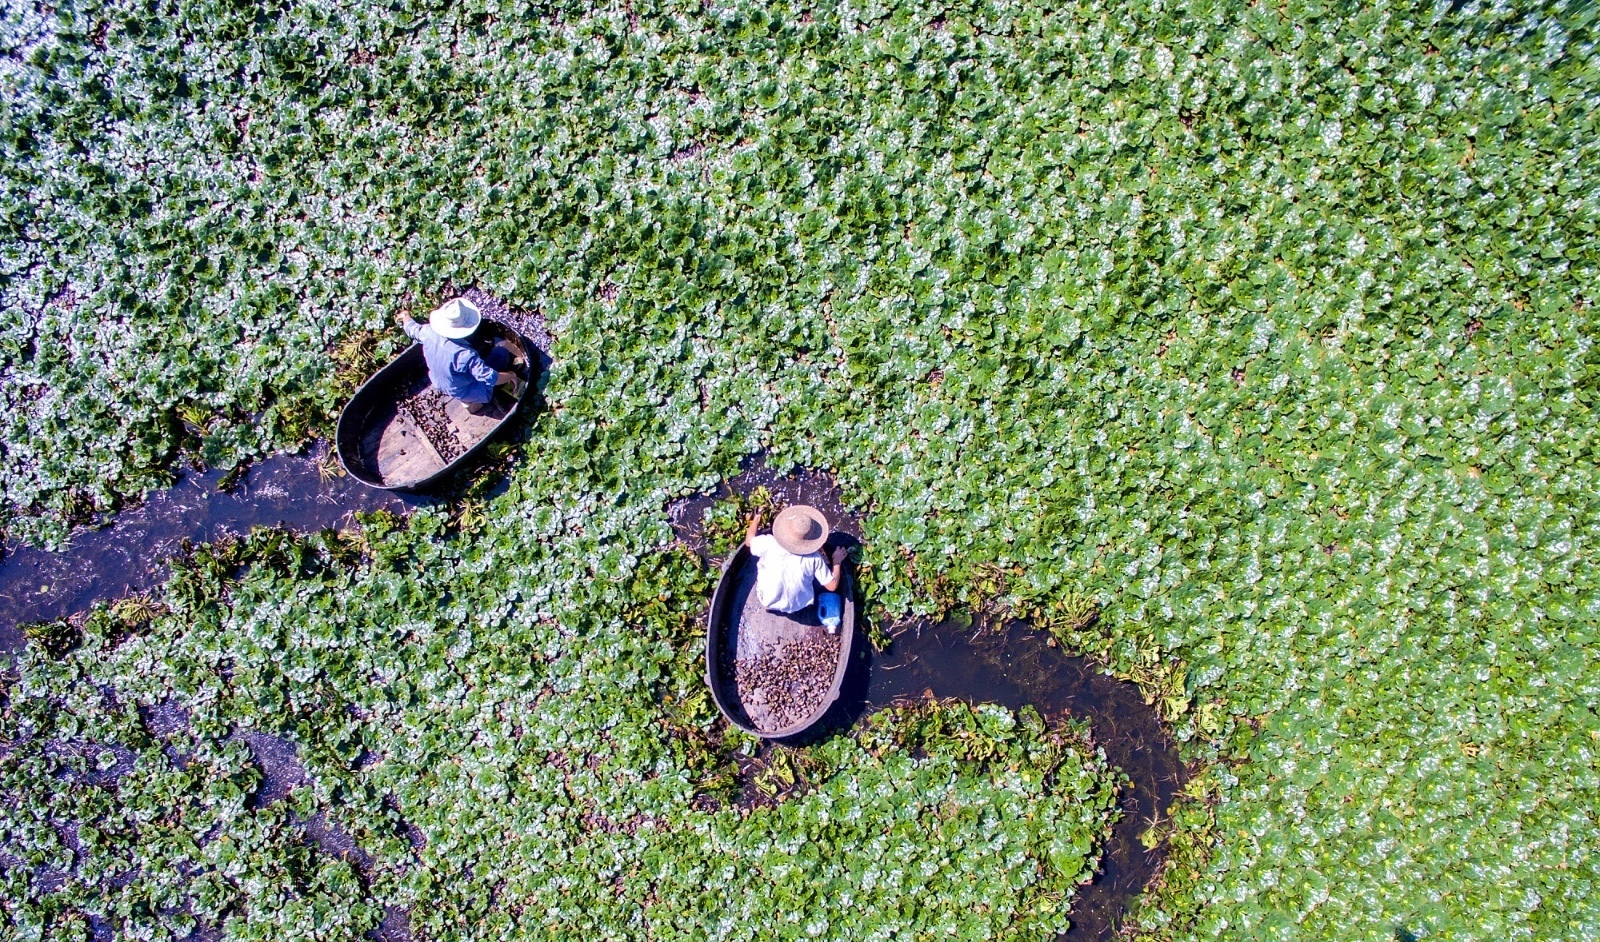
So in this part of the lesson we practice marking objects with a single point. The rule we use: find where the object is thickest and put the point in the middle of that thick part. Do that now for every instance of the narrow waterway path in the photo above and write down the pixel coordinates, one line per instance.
(1011, 664)
(1015, 665)
(129, 556)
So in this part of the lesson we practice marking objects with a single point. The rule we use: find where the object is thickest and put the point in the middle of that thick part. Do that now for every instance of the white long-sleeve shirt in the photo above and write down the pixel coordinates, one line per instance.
(786, 582)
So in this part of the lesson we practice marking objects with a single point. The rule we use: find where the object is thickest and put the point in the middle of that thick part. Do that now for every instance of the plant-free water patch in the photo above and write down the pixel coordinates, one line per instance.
(129, 556)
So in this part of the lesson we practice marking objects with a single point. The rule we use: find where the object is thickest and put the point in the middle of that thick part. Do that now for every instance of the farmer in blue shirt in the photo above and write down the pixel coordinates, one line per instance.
(455, 366)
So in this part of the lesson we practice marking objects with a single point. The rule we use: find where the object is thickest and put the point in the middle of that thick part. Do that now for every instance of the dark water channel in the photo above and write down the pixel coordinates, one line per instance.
(1014, 665)
(1010, 664)
(130, 556)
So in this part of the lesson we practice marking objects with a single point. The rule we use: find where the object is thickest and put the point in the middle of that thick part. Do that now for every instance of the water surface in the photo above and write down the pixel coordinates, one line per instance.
(130, 555)
(1011, 664)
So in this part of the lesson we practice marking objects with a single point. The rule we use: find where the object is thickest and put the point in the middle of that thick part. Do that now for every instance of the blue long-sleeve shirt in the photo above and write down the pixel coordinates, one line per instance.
(454, 368)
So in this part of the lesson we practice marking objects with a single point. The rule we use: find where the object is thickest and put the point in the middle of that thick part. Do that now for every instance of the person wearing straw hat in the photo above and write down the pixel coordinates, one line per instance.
(455, 366)
(790, 565)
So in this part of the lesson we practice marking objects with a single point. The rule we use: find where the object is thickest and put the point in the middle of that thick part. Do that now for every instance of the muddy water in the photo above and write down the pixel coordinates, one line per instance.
(130, 556)
(1012, 665)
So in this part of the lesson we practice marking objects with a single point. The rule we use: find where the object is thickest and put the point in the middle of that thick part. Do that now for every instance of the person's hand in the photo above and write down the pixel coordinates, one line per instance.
(402, 319)
(754, 520)
(838, 557)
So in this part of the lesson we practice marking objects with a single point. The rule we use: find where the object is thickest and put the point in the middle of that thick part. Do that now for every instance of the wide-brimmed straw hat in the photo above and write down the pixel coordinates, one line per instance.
(456, 319)
(800, 529)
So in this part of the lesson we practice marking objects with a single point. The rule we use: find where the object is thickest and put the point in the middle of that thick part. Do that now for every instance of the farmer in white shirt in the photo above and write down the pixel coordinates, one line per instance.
(789, 565)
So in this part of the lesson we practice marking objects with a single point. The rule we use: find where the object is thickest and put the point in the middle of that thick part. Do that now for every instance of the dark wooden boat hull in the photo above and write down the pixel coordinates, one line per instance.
(737, 617)
(395, 435)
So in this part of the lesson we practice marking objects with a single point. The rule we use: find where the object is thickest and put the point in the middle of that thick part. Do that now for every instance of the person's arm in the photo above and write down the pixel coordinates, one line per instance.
(751, 525)
(470, 363)
(483, 372)
(411, 327)
(836, 561)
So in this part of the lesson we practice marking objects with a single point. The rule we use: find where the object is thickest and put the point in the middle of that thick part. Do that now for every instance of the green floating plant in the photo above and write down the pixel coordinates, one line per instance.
(1248, 348)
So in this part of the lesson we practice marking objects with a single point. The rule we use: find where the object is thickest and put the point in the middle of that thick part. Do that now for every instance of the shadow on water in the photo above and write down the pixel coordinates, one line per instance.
(1010, 664)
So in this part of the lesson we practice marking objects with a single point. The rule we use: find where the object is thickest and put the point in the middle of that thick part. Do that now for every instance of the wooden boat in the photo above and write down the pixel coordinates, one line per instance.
(740, 628)
(398, 433)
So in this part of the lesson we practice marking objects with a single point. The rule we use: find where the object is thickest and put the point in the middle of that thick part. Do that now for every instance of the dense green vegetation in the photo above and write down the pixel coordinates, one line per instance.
(524, 745)
(1266, 329)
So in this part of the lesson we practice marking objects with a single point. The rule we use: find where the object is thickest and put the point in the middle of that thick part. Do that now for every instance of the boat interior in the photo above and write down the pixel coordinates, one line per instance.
(751, 631)
(414, 432)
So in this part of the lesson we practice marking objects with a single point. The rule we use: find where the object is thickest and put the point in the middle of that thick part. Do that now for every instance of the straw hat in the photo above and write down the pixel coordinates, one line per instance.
(800, 529)
(455, 320)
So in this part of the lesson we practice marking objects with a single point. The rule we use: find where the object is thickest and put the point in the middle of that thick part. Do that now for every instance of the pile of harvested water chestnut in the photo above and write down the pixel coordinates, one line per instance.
(781, 688)
(426, 408)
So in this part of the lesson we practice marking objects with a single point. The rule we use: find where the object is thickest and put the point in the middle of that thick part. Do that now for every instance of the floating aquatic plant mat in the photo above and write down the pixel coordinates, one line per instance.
(1264, 332)
(547, 797)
